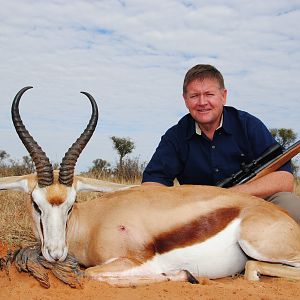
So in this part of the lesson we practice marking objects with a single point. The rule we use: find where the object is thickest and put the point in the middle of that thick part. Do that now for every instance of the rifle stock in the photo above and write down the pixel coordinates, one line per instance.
(277, 162)
(271, 160)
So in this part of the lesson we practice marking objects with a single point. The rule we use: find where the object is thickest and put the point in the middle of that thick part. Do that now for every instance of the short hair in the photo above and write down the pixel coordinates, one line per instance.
(201, 72)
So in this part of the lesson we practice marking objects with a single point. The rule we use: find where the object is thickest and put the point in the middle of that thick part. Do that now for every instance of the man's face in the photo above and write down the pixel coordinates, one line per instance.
(205, 100)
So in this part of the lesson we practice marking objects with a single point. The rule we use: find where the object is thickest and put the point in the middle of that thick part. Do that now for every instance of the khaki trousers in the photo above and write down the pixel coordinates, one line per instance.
(288, 201)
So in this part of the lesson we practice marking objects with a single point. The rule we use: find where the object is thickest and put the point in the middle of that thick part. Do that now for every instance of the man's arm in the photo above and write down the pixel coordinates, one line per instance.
(278, 181)
(165, 163)
(152, 183)
(281, 180)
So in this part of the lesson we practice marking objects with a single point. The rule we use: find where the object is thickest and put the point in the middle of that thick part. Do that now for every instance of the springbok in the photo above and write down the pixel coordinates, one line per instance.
(144, 234)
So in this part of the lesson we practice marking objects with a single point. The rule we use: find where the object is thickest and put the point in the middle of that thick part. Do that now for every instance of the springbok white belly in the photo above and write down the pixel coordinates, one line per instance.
(218, 256)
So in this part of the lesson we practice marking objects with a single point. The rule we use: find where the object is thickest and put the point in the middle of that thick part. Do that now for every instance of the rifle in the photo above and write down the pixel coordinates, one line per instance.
(271, 160)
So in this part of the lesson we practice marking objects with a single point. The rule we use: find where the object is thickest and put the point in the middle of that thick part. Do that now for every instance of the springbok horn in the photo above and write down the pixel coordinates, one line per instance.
(67, 166)
(41, 161)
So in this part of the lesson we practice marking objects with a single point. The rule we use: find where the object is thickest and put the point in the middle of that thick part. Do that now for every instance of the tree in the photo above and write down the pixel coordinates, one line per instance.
(28, 164)
(100, 167)
(285, 137)
(123, 146)
(3, 155)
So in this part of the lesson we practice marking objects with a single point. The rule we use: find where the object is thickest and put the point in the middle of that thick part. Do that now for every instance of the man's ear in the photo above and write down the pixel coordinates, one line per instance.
(224, 96)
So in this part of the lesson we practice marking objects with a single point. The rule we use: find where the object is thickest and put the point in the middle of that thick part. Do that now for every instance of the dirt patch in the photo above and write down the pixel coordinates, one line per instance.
(23, 286)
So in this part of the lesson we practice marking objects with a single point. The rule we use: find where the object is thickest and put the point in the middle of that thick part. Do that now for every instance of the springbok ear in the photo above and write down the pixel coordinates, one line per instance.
(89, 184)
(25, 183)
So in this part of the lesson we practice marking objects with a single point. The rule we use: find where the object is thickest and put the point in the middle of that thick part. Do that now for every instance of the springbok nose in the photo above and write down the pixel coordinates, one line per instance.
(56, 259)
(57, 254)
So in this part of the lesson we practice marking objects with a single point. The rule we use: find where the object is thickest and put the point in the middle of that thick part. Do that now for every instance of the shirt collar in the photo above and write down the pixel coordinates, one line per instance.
(225, 125)
(198, 130)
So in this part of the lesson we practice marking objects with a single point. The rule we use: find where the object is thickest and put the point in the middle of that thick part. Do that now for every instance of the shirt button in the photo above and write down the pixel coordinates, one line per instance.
(216, 170)
(213, 146)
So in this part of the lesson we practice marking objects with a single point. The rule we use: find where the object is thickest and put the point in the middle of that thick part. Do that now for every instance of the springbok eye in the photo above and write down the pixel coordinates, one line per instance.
(36, 208)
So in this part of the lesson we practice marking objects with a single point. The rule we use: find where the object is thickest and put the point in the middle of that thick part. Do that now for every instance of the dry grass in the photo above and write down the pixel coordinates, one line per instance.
(15, 222)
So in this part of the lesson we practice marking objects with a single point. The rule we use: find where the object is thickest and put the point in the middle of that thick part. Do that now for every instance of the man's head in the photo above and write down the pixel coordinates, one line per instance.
(203, 72)
(205, 95)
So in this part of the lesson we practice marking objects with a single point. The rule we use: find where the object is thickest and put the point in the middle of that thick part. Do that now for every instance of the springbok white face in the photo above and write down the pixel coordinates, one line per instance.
(51, 209)
(53, 193)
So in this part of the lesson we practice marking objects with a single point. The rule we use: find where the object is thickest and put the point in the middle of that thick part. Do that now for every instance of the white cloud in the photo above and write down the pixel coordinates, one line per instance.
(132, 57)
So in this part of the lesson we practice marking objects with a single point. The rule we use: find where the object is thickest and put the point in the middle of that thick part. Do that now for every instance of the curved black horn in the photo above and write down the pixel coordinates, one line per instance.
(41, 161)
(67, 166)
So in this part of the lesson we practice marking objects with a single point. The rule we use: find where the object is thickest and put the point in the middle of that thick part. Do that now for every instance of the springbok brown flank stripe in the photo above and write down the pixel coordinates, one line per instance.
(196, 231)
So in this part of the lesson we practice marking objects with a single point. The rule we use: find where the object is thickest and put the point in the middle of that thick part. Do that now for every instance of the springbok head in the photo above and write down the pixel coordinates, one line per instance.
(52, 193)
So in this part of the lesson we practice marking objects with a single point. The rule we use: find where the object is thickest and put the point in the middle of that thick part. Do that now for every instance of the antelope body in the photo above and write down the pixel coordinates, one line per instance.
(150, 233)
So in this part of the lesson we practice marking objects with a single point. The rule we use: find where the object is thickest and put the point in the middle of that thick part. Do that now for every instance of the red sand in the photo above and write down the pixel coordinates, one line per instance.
(23, 286)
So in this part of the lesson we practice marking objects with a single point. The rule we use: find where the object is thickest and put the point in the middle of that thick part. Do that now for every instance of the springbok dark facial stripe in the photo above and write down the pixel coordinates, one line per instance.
(196, 231)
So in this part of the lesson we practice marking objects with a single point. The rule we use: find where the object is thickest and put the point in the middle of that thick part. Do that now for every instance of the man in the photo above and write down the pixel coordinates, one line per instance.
(213, 141)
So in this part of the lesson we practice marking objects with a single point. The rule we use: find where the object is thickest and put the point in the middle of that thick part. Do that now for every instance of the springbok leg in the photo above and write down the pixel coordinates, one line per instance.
(123, 272)
(273, 239)
(255, 268)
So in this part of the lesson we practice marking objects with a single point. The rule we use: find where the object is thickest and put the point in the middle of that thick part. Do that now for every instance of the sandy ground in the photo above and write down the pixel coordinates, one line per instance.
(23, 286)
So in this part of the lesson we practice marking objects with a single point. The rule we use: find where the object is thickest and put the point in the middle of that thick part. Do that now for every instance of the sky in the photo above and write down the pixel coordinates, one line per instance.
(132, 57)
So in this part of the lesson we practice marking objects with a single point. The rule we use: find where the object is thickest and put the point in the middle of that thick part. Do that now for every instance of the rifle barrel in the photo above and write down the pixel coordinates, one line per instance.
(247, 171)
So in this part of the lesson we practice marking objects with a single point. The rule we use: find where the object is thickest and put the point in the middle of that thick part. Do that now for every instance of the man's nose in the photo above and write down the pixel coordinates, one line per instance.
(201, 99)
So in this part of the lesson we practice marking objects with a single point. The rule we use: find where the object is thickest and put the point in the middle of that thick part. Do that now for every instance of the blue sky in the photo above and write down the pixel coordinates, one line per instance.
(132, 57)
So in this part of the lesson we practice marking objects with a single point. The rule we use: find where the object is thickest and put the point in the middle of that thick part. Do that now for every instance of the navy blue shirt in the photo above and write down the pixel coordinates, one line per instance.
(194, 159)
